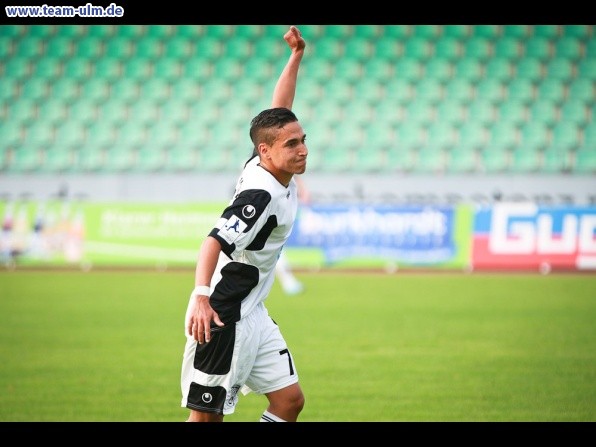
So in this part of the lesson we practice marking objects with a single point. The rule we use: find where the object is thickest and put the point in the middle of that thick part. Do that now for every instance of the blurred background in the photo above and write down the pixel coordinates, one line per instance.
(420, 115)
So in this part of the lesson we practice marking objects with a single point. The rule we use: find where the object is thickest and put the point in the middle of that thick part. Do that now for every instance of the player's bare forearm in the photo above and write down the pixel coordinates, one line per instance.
(285, 88)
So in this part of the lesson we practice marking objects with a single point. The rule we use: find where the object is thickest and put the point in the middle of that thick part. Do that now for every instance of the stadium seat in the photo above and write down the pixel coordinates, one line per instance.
(387, 48)
(149, 48)
(472, 134)
(268, 49)
(89, 47)
(439, 68)
(368, 159)
(53, 111)
(522, 90)
(400, 158)
(566, 135)
(584, 160)
(398, 32)
(104, 32)
(17, 67)
(494, 159)
(339, 90)
(581, 32)
(582, 89)
(143, 112)
(48, 68)
(119, 47)
(369, 90)
(555, 160)
(442, 135)
(508, 48)
(399, 91)
(38, 136)
(228, 69)
(543, 110)
(410, 136)
(348, 69)
(57, 159)
(586, 68)
(339, 32)
(208, 48)
(525, 160)
(461, 159)
(478, 47)
(29, 47)
(568, 47)
(370, 32)
(336, 159)
(378, 69)
(100, 135)
(238, 48)
(551, 88)
(95, 90)
(150, 157)
(250, 32)
(499, 68)
(429, 90)
(547, 31)
(23, 111)
(35, 88)
(77, 68)
(82, 111)
(310, 32)
(534, 137)
(486, 31)
(503, 135)
(420, 113)
(120, 158)
(512, 111)
(430, 159)
(125, 89)
(470, 68)
(517, 31)
(418, 48)
(168, 68)
(131, 32)
(539, 48)
(530, 69)
(491, 89)
(329, 48)
(560, 68)
(451, 112)
(162, 32)
(12, 134)
(359, 48)
(482, 111)
(448, 48)
(575, 111)
(108, 68)
(155, 89)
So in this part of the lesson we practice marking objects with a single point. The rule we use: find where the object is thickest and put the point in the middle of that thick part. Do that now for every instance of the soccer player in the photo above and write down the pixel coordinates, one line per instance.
(232, 344)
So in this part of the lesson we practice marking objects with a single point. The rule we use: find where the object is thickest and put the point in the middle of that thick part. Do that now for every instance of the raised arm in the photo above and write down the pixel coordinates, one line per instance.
(285, 88)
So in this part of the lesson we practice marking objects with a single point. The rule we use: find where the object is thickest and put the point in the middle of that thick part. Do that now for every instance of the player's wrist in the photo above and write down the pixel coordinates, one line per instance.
(201, 291)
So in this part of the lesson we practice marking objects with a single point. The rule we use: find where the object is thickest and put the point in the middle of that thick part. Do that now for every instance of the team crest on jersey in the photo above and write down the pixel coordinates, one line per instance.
(233, 228)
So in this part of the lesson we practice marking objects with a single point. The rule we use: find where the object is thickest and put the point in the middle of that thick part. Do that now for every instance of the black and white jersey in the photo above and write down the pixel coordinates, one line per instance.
(252, 231)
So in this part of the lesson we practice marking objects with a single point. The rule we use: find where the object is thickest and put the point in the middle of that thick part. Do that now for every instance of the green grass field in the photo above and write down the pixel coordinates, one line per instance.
(107, 346)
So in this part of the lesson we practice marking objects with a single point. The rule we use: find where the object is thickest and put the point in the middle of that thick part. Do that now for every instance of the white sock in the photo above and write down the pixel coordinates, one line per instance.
(268, 417)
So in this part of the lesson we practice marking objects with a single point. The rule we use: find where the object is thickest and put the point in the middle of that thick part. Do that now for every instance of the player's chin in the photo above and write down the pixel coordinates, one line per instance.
(300, 167)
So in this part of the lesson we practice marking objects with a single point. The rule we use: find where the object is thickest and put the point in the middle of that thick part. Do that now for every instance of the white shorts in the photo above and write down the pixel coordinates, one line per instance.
(251, 355)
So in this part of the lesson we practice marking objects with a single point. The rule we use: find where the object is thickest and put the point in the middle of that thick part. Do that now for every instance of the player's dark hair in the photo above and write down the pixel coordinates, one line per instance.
(263, 125)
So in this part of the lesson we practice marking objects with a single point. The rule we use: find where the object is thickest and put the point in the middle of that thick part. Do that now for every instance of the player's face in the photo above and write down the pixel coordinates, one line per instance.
(287, 155)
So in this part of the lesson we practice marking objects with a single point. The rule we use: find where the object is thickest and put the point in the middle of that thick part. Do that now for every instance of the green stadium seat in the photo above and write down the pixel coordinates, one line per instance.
(448, 48)
(162, 32)
(119, 47)
(418, 48)
(478, 47)
(238, 48)
(143, 112)
(149, 48)
(339, 90)
(451, 112)
(589, 138)
(555, 160)
(155, 89)
(491, 90)
(581, 32)
(150, 158)
(531, 69)
(23, 111)
(348, 69)
(340, 32)
(560, 68)
(472, 134)
(459, 32)
(442, 135)
(503, 135)
(65, 89)
(108, 68)
(379, 136)
(29, 47)
(470, 68)
(553, 89)
(420, 113)
(130, 136)
(459, 89)
(513, 111)
(428, 32)
(358, 48)
(90, 47)
(430, 159)
(120, 158)
(52, 111)
(181, 159)
(584, 161)
(329, 48)
(268, 48)
(103, 32)
(525, 160)
(219, 32)
(522, 90)
(12, 134)
(168, 69)
(499, 68)
(378, 69)
(72, 31)
(409, 69)
(398, 32)
(126, 90)
(113, 112)
(387, 48)
(9, 88)
(586, 68)
(508, 47)
(399, 91)
(35, 88)
(534, 136)
(566, 135)
(485, 31)
(228, 69)
(461, 159)
(38, 136)
(539, 48)
(590, 49)
(41, 31)
(100, 135)
(82, 111)
(57, 159)
(368, 159)
(400, 158)
(494, 159)
(337, 158)
(359, 112)
(370, 32)
(517, 31)
(138, 68)
(78, 68)
(582, 89)
(482, 111)
(48, 68)
(70, 135)
(95, 90)
(25, 158)
(547, 31)
(208, 48)
(568, 47)
(250, 32)
(310, 32)
(575, 111)
(6, 47)
(429, 90)
(192, 32)
(389, 113)
(319, 69)
(131, 32)
(18, 67)
(89, 159)
(410, 136)
(439, 68)
(369, 90)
